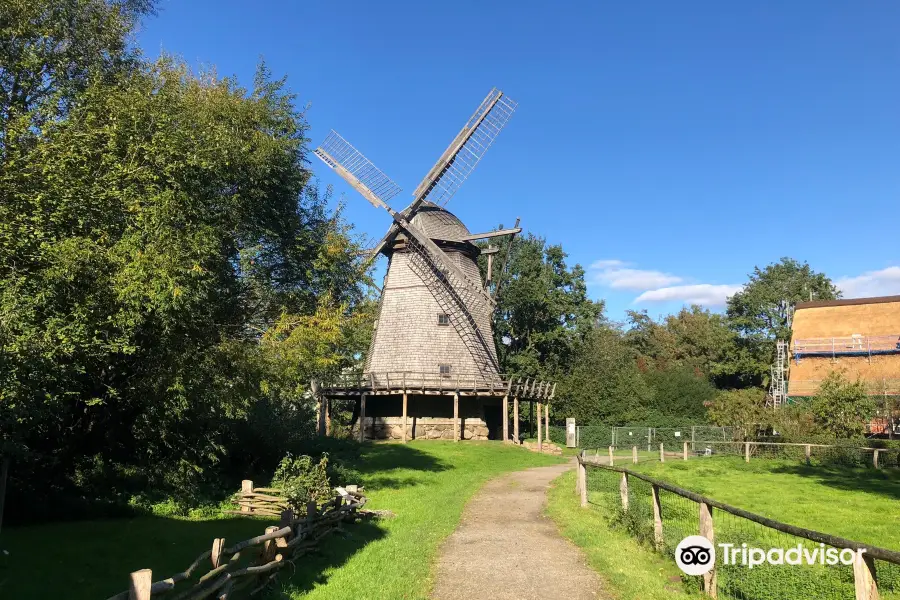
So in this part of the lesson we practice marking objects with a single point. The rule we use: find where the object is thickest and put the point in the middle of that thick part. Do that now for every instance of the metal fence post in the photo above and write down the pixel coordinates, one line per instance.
(706, 530)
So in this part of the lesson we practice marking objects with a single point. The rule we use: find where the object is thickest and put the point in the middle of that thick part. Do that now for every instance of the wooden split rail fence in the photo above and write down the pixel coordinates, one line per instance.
(248, 567)
(865, 578)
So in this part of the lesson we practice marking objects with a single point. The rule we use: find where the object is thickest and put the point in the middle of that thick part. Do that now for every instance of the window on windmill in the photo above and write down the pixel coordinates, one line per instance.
(443, 319)
(445, 370)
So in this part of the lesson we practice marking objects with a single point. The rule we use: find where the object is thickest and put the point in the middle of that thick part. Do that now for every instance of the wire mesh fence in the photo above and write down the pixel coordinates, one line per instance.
(660, 515)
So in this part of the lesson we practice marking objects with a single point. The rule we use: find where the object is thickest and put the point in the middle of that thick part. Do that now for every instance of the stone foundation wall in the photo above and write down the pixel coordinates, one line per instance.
(423, 428)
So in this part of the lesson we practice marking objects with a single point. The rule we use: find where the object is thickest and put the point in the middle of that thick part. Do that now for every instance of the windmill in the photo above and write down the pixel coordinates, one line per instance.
(433, 332)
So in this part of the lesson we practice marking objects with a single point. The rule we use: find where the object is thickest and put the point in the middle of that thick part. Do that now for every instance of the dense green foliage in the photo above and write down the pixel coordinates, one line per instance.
(842, 408)
(170, 278)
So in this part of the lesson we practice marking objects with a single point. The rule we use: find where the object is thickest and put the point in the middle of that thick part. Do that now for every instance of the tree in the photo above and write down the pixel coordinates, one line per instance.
(742, 409)
(150, 237)
(542, 309)
(761, 312)
(680, 395)
(604, 385)
(842, 408)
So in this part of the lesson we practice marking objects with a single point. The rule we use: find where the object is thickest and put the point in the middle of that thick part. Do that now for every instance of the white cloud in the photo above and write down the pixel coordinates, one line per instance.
(885, 282)
(616, 274)
(706, 294)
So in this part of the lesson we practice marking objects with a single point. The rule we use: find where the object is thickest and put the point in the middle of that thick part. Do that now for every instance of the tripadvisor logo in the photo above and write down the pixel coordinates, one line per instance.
(695, 555)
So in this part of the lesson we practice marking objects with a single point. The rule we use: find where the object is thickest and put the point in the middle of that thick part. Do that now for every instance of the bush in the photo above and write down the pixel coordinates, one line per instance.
(303, 480)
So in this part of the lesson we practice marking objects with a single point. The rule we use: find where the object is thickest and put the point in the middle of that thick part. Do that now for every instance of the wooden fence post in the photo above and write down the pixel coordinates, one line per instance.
(706, 530)
(623, 491)
(611, 460)
(874, 463)
(634, 455)
(141, 582)
(808, 453)
(246, 488)
(864, 577)
(215, 555)
(746, 451)
(685, 450)
(582, 475)
(662, 455)
(657, 518)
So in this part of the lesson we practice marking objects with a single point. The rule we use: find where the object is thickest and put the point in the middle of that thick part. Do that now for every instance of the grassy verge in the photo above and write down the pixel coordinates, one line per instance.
(425, 483)
(856, 503)
(630, 571)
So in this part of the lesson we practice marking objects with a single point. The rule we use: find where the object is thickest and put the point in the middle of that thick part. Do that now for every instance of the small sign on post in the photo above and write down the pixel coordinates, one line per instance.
(570, 433)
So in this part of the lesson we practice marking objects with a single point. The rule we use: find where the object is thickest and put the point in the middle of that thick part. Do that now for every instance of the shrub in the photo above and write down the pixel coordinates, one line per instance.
(303, 480)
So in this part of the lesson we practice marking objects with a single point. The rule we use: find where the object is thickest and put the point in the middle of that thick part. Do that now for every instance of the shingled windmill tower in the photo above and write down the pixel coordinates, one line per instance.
(433, 337)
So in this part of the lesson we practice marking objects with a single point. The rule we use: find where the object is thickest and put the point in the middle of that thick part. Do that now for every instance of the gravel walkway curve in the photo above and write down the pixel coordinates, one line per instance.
(505, 548)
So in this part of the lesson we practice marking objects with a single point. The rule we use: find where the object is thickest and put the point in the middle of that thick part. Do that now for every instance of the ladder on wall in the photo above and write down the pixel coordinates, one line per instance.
(454, 298)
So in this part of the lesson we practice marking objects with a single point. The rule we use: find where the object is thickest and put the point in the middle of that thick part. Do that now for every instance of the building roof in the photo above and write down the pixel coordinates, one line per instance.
(847, 302)
(439, 223)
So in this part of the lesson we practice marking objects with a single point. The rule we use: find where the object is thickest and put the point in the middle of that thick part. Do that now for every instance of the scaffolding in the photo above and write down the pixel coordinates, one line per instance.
(855, 345)
(777, 386)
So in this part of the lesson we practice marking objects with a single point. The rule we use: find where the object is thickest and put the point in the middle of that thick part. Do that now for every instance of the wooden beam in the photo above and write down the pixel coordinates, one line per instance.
(516, 419)
(404, 416)
(506, 419)
(362, 417)
(491, 234)
(539, 436)
(456, 428)
(547, 422)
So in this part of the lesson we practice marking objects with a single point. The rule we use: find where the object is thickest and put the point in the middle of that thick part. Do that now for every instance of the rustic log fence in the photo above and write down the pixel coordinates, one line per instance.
(662, 514)
(248, 567)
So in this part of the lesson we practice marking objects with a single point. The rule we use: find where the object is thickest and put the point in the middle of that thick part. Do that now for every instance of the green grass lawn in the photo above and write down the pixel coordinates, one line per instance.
(856, 503)
(630, 571)
(426, 484)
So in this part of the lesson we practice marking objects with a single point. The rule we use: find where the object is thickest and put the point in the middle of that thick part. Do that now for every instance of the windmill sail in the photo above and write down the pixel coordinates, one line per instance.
(357, 170)
(466, 149)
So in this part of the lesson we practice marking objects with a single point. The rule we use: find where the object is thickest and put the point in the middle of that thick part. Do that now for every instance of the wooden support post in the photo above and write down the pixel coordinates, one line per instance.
(874, 464)
(362, 417)
(215, 555)
(623, 491)
(246, 488)
(864, 580)
(706, 530)
(611, 459)
(746, 451)
(547, 422)
(456, 431)
(662, 455)
(141, 582)
(515, 419)
(685, 450)
(657, 518)
(320, 407)
(582, 475)
(506, 418)
(540, 438)
(634, 455)
(269, 549)
(404, 416)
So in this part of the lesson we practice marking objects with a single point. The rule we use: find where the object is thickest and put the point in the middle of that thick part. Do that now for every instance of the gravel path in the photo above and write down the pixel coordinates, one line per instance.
(506, 549)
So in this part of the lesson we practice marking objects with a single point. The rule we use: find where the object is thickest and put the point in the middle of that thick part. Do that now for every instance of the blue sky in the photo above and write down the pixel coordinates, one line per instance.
(669, 147)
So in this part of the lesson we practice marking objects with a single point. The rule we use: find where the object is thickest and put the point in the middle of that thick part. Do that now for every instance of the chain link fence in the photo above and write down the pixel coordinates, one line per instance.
(660, 515)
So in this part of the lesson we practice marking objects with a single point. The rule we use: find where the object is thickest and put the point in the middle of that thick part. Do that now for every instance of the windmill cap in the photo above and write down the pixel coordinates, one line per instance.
(438, 223)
